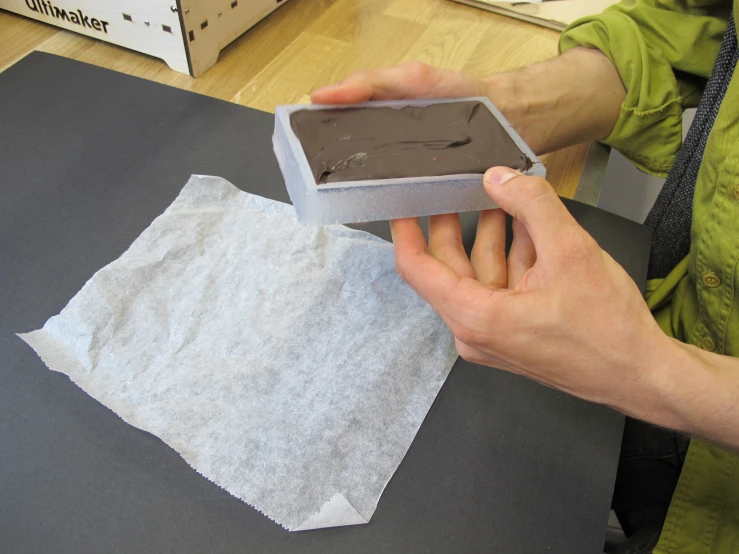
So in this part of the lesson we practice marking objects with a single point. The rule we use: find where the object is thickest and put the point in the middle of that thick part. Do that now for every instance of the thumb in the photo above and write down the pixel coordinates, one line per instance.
(533, 202)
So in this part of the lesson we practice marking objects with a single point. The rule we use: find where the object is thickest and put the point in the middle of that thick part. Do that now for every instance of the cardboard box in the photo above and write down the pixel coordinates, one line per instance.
(187, 34)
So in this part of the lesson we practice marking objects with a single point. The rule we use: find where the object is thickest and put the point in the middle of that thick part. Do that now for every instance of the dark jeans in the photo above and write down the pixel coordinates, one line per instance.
(648, 470)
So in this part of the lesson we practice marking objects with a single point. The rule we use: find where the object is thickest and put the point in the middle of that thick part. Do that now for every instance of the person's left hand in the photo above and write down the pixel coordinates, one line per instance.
(558, 309)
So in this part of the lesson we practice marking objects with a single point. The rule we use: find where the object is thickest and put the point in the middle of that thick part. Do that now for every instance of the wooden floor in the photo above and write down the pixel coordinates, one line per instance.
(309, 43)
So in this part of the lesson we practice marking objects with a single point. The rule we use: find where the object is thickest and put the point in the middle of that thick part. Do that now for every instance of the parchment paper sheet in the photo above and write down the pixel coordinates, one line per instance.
(288, 364)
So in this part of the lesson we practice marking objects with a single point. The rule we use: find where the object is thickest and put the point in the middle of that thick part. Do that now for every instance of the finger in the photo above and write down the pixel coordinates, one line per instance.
(410, 80)
(445, 244)
(534, 203)
(463, 303)
(522, 256)
(431, 278)
(488, 253)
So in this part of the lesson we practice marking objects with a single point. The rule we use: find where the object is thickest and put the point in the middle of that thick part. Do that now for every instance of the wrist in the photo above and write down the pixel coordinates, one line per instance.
(521, 106)
(692, 391)
(573, 98)
(705, 394)
(659, 397)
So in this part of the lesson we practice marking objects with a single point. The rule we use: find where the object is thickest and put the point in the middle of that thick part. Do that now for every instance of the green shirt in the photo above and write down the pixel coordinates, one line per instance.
(664, 51)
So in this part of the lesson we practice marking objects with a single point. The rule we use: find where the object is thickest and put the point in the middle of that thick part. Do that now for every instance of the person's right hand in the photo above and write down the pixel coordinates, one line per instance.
(410, 80)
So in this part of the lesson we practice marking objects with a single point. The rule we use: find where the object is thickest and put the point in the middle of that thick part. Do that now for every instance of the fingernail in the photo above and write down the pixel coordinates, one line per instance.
(498, 175)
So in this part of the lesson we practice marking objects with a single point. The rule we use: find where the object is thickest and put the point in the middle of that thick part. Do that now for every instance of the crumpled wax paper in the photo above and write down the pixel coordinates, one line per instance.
(290, 365)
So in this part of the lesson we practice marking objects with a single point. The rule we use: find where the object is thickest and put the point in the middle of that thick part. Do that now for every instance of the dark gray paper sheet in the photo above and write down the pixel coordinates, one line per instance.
(88, 158)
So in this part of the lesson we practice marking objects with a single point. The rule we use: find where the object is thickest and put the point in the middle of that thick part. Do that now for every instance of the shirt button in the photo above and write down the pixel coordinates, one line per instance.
(711, 280)
(736, 192)
(707, 344)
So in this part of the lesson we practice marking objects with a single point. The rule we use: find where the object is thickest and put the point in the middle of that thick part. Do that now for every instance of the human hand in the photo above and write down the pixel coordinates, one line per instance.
(410, 80)
(573, 98)
(418, 80)
(558, 309)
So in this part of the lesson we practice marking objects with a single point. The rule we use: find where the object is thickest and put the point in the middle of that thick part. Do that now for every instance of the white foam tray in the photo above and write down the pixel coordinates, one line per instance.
(382, 199)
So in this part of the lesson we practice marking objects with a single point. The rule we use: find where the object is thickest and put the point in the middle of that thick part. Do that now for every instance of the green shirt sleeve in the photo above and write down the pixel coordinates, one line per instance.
(664, 51)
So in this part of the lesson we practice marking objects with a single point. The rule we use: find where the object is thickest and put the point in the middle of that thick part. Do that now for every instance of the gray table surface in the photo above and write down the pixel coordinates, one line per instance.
(88, 158)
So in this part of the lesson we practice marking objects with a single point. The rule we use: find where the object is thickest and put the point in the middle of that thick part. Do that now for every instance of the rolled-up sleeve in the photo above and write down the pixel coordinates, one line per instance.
(664, 52)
